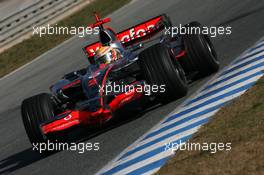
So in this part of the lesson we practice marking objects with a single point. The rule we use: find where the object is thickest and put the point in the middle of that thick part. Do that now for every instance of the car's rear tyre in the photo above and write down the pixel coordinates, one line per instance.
(200, 51)
(36, 110)
(158, 68)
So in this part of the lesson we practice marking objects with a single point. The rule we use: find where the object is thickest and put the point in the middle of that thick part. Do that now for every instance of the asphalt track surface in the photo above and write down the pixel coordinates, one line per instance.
(16, 156)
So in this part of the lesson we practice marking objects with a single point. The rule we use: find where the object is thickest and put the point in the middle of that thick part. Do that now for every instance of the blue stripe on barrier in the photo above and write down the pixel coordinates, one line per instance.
(234, 75)
(242, 65)
(186, 128)
(250, 54)
(143, 157)
(209, 101)
(224, 87)
(257, 47)
(183, 121)
(149, 167)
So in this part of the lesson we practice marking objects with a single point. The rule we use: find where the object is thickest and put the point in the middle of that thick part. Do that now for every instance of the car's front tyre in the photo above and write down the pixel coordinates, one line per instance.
(36, 110)
(158, 68)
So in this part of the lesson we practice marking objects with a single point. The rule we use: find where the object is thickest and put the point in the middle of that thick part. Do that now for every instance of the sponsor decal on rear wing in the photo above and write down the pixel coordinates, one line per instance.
(140, 31)
(132, 35)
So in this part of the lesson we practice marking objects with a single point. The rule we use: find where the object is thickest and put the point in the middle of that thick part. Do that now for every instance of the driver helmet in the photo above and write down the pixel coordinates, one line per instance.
(106, 55)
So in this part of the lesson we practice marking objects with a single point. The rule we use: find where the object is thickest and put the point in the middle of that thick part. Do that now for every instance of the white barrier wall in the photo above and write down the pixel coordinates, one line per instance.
(19, 23)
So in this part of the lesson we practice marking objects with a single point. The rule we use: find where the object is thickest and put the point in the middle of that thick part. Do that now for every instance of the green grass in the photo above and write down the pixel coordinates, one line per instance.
(242, 124)
(33, 47)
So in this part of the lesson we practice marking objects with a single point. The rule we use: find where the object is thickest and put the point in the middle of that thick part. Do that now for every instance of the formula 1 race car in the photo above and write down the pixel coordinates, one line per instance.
(122, 74)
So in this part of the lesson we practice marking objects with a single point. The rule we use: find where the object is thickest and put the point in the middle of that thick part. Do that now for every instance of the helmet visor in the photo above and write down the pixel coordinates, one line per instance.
(105, 59)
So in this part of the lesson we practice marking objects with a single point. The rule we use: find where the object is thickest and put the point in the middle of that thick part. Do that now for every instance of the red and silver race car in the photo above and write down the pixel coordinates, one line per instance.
(122, 75)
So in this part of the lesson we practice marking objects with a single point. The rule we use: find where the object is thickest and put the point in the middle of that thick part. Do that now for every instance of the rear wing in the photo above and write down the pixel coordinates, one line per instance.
(141, 31)
(132, 35)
